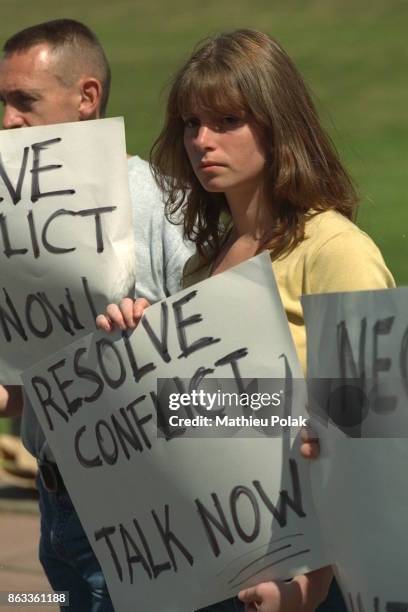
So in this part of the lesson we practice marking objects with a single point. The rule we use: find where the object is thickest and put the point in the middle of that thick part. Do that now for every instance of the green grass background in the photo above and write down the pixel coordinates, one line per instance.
(4, 426)
(352, 54)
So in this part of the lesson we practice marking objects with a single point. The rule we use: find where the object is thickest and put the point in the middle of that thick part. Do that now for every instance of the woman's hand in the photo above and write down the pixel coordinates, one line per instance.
(265, 597)
(302, 594)
(310, 448)
(124, 316)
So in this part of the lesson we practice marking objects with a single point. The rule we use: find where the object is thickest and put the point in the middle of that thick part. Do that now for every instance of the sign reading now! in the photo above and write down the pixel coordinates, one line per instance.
(66, 238)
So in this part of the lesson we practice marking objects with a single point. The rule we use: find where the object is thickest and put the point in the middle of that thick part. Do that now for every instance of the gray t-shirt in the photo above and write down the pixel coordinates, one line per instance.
(160, 257)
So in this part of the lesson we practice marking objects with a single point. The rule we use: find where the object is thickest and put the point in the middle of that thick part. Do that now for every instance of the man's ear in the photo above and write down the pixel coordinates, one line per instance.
(91, 94)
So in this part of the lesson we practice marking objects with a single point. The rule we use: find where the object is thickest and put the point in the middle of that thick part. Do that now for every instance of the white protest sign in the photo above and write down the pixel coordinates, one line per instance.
(66, 237)
(178, 522)
(358, 363)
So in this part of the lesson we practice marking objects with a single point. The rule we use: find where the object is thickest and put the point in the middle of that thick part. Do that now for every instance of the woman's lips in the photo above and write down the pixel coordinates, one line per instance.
(210, 165)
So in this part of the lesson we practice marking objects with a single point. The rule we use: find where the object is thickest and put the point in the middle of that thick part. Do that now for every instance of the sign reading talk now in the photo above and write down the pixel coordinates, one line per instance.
(66, 238)
(181, 522)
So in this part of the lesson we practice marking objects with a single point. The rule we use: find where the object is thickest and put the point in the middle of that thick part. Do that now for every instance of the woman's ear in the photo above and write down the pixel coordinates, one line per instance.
(91, 95)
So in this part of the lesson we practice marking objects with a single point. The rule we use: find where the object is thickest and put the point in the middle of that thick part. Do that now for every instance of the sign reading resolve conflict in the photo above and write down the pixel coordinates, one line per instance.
(179, 522)
(66, 240)
(359, 400)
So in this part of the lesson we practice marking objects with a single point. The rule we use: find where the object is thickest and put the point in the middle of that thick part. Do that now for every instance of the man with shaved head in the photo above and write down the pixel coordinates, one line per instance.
(50, 73)
(54, 72)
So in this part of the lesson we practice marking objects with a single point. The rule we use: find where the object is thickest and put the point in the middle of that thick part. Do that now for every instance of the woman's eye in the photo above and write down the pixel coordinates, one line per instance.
(231, 120)
(191, 122)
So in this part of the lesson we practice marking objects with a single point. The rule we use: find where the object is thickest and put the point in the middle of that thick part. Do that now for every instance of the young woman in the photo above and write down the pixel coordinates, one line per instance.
(243, 157)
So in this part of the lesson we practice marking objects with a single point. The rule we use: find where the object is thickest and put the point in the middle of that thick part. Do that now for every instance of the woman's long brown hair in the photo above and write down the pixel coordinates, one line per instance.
(248, 72)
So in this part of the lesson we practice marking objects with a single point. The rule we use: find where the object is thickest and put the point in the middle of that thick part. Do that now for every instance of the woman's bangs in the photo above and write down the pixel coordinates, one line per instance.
(209, 91)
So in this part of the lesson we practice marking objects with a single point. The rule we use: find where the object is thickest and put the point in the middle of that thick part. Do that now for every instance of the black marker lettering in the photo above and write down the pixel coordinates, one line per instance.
(381, 404)
(181, 324)
(47, 400)
(159, 344)
(87, 463)
(105, 533)
(112, 456)
(232, 359)
(136, 557)
(140, 421)
(65, 316)
(156, 569)
(97, 212)
(279, 511)
(40, 333)
(50, 247)
(88, 374)
(162, 411)
(33, 235)
(234, 496)
(194, 385)
(11, 318)
(219, 522)
(101, 350)
(345, 353)
(89, 298)
(129, 434)
(9, 251)
(169, 537)
(14, 193)
(36, 194)
(138, 372)
(71, 405)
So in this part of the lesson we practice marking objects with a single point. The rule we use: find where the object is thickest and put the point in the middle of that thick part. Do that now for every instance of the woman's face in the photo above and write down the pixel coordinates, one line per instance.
(224, 151)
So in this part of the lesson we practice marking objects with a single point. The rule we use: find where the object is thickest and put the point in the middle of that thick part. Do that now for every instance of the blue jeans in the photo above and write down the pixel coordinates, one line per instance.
(67, 557)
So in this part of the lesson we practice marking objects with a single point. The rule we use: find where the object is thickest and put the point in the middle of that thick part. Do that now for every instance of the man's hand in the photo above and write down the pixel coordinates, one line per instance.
(310, 448)
(124, 316)
(11, 401)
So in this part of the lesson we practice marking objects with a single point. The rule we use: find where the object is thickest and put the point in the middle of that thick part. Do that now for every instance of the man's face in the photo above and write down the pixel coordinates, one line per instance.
(31, 92)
